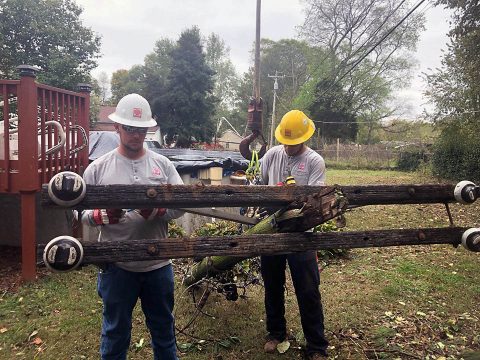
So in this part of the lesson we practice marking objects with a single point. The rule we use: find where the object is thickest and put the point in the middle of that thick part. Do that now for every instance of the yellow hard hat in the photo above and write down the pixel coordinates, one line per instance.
(294, 128)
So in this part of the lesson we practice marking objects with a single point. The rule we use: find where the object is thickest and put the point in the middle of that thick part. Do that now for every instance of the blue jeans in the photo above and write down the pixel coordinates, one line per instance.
(119, 290)
(306, 280)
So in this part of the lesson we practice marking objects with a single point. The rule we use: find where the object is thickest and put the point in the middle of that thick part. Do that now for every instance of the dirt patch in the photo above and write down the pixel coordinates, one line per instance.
(10, 268)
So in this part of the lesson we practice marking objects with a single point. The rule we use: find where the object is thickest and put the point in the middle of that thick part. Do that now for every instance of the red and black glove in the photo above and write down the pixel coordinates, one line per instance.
(107, 216)
(149, 214)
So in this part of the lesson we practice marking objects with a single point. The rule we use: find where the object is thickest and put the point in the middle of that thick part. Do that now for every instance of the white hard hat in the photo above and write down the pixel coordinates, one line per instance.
(133, 110)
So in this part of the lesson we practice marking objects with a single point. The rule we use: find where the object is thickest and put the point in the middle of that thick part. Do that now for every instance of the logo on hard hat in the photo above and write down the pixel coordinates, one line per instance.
(288, 132)
(137, 112)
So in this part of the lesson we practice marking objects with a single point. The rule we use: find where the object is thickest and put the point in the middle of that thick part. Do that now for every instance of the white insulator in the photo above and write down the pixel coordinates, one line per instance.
(67, 188)
(465, 192)
(471, 239)
(63, 253)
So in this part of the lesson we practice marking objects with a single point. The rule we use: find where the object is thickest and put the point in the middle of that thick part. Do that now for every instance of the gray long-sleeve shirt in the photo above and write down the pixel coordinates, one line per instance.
(308, 168)
(151, 169)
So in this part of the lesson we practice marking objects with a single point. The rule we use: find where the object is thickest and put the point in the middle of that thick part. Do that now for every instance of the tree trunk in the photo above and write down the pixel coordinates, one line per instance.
(212, 265)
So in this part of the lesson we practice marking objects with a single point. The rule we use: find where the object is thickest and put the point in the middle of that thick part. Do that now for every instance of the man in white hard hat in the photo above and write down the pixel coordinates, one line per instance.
(294, 162)
(121, 284)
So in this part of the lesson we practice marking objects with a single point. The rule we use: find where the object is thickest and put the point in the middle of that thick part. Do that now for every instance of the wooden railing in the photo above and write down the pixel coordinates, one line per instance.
(32, 154)
(44, 130)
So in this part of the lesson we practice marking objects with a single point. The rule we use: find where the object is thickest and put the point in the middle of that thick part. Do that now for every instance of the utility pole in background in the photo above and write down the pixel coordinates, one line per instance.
(275, 88)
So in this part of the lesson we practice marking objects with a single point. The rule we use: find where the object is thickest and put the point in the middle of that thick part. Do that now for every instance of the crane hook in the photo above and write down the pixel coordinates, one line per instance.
(245, 145)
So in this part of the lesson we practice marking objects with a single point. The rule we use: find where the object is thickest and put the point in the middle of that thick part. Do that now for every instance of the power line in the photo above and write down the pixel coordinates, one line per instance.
(344, 36)
(342, 122)
(374, 46)
(275, 88)
(377, 30)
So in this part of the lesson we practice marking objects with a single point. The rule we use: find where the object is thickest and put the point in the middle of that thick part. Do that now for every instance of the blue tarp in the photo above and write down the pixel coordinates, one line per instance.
(101, 142)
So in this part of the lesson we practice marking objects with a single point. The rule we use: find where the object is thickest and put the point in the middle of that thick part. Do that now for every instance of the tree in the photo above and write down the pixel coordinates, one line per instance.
(156, 69)
(225, 77)
(47, 34)
(188, 107)
(103, 87)
(455, 87)
(360, 55)
(288, 58)
(243, 92)
(332, 113)
(455, 91)
(127, 81)
(349, 29)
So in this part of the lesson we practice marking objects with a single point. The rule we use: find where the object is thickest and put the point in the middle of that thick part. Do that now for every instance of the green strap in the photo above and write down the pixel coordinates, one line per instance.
(253, 169)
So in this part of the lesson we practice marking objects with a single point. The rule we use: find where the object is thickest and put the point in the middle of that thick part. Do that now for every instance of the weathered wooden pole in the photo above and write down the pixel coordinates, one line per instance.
(302, 207)
(197, 196)
(248, 244)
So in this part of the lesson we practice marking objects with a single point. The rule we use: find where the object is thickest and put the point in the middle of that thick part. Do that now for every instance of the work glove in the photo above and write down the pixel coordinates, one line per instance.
(107, 216)
(263, 212)
(150, 214)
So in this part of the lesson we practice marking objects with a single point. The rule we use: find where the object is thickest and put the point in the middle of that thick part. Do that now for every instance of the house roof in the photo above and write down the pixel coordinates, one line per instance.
(104, 112)
(103, 123)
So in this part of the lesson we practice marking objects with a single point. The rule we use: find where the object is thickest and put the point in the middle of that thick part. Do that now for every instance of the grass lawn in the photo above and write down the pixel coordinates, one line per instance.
(418, 302)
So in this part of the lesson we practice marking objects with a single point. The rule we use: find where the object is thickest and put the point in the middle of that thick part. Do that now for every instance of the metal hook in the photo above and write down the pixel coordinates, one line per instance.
(244, 146)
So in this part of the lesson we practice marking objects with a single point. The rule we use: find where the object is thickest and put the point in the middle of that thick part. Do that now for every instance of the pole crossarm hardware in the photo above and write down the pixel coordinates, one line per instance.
(289, 211)
(267, 244)
(198, 196)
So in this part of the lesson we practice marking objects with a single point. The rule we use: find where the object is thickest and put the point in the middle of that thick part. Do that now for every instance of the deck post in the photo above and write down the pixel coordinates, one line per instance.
(28, 167)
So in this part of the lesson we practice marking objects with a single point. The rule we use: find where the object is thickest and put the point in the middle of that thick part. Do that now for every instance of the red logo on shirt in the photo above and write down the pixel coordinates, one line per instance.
(301, 166)
(137, 112)
(156, 171)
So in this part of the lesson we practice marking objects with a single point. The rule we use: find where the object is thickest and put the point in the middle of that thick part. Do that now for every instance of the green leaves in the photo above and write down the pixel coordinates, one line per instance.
(200, 345)
(50, 35)
(455, 91)
(186, 110)
(348, 79)
(218, 228)
(283, 347)
(457, 150)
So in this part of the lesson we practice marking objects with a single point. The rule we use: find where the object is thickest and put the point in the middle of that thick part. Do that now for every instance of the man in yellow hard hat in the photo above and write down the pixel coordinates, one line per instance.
(295, 162)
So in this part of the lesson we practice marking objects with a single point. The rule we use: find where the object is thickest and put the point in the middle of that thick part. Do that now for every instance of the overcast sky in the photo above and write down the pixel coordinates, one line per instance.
(130, 28)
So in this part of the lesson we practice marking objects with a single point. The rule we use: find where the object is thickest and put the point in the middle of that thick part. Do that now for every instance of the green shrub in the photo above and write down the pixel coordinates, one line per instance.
(175, 231)
(456, 153)
(243, 274)
(218, 228)
(411, 158)
(329, 254)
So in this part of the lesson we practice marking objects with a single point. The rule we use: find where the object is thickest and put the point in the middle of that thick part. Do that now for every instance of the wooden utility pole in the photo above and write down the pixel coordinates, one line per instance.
(221, 253)
(200, 196)
(275, 88)
(256, 80)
